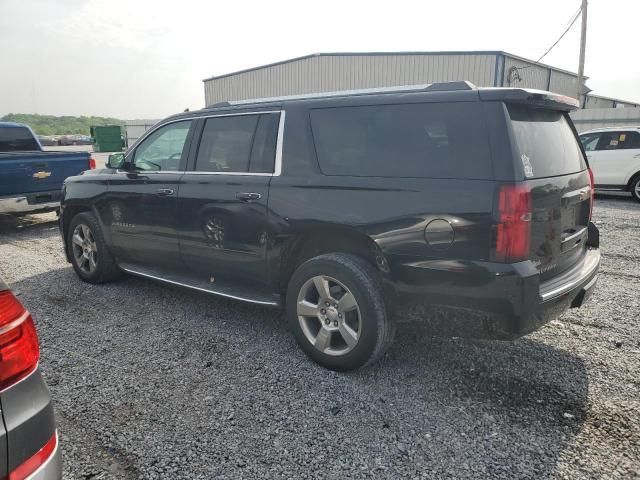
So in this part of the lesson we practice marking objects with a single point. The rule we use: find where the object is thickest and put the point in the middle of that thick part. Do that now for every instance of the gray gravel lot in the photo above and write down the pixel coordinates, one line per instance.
(151, 381)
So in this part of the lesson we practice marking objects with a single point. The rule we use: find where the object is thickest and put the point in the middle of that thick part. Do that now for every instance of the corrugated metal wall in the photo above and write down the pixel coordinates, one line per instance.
(332, 72)
(327, 73)
(605, 117)
(519, 73)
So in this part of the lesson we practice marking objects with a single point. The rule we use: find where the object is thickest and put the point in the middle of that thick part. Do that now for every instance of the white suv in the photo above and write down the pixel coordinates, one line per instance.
(614, 158)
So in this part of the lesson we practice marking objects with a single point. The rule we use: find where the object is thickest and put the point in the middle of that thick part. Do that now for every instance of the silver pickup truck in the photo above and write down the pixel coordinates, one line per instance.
(30, 178)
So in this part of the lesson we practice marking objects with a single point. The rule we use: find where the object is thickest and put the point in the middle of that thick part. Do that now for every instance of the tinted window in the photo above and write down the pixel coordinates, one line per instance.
(264, 144)
(164, 149)
(226, 144)
(618, 140)
(439, 140)
(15, 139)
(546, 143)
(589, 141)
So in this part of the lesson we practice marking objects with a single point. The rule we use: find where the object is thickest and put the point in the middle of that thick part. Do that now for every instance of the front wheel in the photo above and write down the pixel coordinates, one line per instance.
(635, 188)
(336, 310)
(90, 255)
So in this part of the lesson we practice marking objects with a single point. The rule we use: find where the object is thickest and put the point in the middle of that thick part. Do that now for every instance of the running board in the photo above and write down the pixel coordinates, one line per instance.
(232, 292)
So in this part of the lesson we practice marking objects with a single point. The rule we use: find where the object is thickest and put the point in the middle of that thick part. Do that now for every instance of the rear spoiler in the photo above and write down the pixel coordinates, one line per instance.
(535, 98)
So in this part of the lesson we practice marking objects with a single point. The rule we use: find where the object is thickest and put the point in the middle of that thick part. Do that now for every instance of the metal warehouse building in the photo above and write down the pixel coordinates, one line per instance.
(326, 72)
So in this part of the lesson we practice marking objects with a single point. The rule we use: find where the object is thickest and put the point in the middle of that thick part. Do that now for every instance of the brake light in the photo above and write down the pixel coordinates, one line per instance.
(92, 163)
(592, 184)
(19, 349)
(513, 231)
(35, 461)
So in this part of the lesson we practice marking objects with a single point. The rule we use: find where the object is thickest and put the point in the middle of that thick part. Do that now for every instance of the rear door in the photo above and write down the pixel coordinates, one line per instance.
(549, 156)
(223, 199)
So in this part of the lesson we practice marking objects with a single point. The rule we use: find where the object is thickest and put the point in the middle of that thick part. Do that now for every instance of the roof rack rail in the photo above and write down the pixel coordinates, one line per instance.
(433, 87)
(450, 86)
(220, 104)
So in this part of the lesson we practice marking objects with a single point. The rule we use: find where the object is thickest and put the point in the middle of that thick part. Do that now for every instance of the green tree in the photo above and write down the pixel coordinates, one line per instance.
(65, 125)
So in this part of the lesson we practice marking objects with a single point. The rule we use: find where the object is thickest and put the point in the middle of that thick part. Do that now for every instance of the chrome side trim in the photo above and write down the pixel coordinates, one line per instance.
(226, 295)
(279, 142)
(569, 280)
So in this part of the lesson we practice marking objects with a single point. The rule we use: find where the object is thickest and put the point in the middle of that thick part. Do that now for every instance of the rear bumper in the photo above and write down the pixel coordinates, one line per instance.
(30, 203)
(30, 424)
(489, 300)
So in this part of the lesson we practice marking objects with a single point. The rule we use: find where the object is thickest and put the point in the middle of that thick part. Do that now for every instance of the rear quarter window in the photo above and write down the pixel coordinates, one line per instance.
(546, 143)
(16, 139)
(428, 140)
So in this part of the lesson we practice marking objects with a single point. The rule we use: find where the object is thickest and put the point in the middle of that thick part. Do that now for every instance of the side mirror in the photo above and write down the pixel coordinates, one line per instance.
(116, 160)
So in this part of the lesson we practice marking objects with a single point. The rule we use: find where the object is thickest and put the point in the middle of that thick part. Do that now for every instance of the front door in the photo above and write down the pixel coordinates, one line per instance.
(141, 204)
(223, 200)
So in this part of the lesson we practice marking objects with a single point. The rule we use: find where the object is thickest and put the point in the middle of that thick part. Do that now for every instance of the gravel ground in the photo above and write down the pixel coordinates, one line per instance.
(151, 381)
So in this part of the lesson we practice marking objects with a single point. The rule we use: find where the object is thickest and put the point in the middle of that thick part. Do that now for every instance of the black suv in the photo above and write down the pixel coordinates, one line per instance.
(346, 208)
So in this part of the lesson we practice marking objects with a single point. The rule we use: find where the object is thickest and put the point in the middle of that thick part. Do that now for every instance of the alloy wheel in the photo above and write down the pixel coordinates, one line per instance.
(329, 315)
(85, 250)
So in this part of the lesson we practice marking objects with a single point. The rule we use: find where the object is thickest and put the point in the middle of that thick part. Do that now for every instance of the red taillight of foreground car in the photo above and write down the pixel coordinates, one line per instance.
(92, 163)
(35, 461)
(513, 231)
(592, 184)
(19, 349)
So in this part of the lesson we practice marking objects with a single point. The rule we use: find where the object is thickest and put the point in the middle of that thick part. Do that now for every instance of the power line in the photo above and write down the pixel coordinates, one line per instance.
(575, 17)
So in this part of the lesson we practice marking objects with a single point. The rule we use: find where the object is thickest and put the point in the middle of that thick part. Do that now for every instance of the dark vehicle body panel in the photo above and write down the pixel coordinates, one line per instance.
(386, 217)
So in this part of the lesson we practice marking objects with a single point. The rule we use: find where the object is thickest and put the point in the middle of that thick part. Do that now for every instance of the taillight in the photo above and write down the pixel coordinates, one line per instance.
(92, 163)
(513, 231)
(19, 350)
(592, 183)
(34, 462)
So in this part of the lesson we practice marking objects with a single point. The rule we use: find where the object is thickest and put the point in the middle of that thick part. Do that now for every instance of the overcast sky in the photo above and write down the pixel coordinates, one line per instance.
(147, 58)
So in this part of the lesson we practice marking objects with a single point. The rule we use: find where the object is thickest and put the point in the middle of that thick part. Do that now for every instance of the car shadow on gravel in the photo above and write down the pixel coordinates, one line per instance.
(12, 224)
(150, 361)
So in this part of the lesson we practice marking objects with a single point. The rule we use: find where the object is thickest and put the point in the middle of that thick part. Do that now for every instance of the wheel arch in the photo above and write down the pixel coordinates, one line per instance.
(632, 180)
(320, 239)
(70, 211)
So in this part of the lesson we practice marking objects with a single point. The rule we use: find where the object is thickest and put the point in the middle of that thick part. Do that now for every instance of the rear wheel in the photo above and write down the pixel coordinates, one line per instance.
(336, 310)
(635, 188)
(90, 255)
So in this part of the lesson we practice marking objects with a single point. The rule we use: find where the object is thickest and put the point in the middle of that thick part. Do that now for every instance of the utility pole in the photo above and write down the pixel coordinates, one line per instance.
(583, 43)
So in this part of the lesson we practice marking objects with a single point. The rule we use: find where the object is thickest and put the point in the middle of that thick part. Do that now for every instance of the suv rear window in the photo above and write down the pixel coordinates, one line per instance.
(16, 139)
(546, 143)
(433, 140)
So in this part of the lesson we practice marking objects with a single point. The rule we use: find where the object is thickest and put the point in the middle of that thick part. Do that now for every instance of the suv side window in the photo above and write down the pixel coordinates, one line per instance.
(164, 149)
(436, 140)
(238, 144)
(618, 140)
(590, 141)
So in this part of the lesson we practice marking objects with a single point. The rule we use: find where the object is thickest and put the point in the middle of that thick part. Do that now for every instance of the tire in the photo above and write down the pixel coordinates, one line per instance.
(635, 188)
(347, 337)
(101, 267)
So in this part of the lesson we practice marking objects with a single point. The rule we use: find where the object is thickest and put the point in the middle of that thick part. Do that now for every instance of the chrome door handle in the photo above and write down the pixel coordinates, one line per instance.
(164, 192)
(248, 196)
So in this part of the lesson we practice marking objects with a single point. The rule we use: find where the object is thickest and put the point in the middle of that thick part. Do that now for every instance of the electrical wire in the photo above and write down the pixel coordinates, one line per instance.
(575, 17)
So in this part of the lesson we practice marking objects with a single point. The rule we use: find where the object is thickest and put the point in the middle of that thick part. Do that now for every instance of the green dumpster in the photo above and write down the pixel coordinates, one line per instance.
(107, 138)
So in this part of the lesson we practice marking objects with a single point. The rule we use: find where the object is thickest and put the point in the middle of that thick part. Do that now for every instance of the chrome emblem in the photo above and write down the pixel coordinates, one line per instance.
(41, 175)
